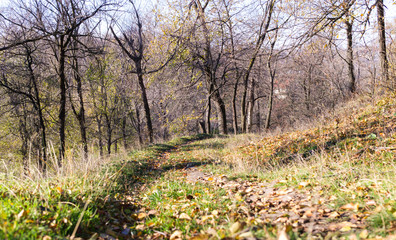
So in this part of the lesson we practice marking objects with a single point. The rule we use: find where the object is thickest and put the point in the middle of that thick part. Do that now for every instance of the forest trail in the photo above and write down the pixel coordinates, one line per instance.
(196, 196)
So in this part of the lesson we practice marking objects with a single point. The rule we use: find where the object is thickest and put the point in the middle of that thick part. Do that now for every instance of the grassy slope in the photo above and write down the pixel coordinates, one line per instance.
(347, 165)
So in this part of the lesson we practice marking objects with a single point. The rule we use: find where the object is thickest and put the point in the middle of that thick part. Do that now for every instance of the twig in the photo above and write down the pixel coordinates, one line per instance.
(79, 219)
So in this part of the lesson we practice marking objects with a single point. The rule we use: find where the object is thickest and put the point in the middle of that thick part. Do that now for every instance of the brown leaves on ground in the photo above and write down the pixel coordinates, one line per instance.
(299, 210)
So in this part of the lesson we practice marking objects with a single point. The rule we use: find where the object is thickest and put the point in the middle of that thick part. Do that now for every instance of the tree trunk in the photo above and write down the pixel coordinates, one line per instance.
(270, 100)
(258, 117)
(382, 43)
(99, 122)
(351, 72)
(208, 112)
(221, 111)
(138, 125)
(250, 108)
(42, 131)
(234, 109)
(124, 133)
(62, 108)
(145, 101)
(80, 114)
(109, 134)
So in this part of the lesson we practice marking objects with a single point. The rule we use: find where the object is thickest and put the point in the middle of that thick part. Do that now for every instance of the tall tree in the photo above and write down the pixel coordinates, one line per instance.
(264, 28)
(382, 42)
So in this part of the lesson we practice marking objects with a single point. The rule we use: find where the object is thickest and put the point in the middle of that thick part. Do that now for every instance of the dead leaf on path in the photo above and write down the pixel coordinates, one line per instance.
(371, 203)
(245, 235)
(142, 215)
(363, 234)
(334, 215)
(283, 235)
(140, 227)
(236, 227)
(176, 235)
(184, 216)
(342, 226)
(351, 206)
(303, 184)
(212, 232)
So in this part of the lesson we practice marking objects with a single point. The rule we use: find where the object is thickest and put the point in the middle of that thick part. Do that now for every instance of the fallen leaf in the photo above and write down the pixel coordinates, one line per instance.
(206, 217)
(245, 235)
(371, 203)
(184, 216)
(351, 206)
(140, 227)
(334, 215)
(176, 235)
(215, 212)
(21, 214)
(364, 234)
(346, 229)
(236, 227)
(283, 235)
(303, 184)
(142, 215)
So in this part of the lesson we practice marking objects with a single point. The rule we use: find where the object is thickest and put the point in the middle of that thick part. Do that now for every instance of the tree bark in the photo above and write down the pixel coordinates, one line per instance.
(222, 112)
(62, 107)
(270, 98)
(234, 108)
(208, 112)
(250, 108)
(382, 43)
(146, 105)
(124, 133)
(351, 68)
(109, 134)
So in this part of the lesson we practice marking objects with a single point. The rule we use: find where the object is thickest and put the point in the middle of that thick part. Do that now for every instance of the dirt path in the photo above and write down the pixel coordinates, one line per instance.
(253, 204)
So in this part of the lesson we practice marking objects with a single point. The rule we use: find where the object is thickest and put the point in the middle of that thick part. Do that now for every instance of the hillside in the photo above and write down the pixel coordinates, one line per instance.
(336, 180)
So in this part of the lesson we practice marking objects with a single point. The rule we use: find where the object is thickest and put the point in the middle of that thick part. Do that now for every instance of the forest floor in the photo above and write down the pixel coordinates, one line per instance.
(333, 181)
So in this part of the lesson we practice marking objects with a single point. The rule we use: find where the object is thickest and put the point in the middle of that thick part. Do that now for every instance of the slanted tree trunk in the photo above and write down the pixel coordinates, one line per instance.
(146, 105)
